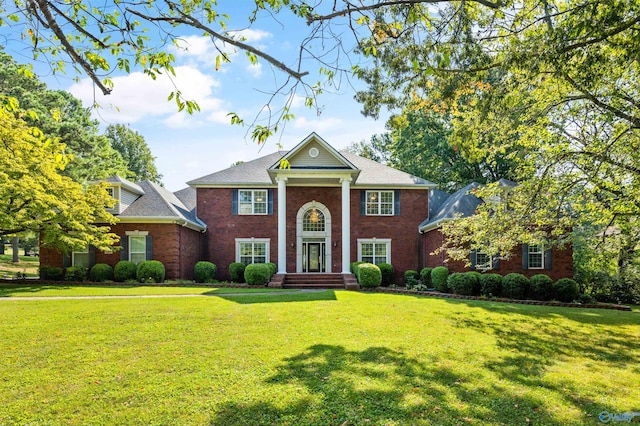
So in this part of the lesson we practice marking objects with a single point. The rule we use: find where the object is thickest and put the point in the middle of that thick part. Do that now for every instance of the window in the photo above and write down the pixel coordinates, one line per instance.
(313, 220)
(137, 248)
(374, 251)
(379, 203)
(252, 202)
(483, 261)
(252, 250)
(536, 256)
(110, 192)
(80, 258)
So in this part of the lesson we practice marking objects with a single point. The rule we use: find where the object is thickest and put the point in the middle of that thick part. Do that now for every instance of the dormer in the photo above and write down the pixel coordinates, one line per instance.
(124, 192)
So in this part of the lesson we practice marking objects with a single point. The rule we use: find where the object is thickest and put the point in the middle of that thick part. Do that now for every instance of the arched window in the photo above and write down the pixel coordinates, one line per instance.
(313, 220)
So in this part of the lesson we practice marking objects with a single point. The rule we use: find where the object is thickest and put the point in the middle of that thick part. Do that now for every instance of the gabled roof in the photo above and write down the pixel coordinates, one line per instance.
(119, 181)
(462, 203)
(158, 204)
(244, 174)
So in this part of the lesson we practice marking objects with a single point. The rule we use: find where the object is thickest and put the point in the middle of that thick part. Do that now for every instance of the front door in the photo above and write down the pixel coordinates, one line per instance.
(313, 256)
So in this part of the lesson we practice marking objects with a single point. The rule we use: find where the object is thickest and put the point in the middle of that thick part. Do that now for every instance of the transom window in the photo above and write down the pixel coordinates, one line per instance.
(80, 258)
(137, 249)
(380, 203)
(536, 256)
(374, 251)
(483, 261)
(252, 251)
(313, 220)
(252, 201)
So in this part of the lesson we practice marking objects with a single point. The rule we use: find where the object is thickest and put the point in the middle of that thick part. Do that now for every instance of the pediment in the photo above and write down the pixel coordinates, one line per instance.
(313, 153)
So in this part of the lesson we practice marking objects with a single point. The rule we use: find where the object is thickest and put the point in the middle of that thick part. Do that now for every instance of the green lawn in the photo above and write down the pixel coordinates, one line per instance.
(28, 265)
(329, 358)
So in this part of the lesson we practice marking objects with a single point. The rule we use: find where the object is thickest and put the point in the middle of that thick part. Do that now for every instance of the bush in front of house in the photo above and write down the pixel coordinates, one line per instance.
(150, 271)
(461, 283)
(425, 277)
(411, 278)
(257, 274)
(353, 267)
(387, 274)
(515, 286)
(541, 287)
(75, 273)
(566, 290)
(124, 270)
(101, 272)
(369, 275)
(474, 276)
(439, 276)
(236, 271)
(51, 273)
(273, 268)
(490, 285)
(204, 271)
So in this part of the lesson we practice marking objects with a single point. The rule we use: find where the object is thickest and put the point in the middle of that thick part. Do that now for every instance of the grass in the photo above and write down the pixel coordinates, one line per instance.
(329, 358)
(28, 265)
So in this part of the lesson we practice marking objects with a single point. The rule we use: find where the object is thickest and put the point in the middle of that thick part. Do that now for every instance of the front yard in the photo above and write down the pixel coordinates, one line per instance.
(342, 358)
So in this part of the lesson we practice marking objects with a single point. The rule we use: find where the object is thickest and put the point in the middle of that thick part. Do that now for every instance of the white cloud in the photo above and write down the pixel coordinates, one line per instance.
(136, 96)
(250, 35)
(318, 125)
(255, 69)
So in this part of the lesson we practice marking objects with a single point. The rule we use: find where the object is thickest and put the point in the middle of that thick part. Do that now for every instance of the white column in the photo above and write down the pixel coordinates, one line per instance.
(346, 225)
(282, 225)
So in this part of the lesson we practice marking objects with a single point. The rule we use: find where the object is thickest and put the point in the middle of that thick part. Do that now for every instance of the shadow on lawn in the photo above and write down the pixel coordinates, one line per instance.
(335, 386)
(7, 290)
(279, 297)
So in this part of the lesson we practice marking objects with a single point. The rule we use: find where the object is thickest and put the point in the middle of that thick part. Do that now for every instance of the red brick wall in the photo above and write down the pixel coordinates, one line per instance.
(214, 208)
(177, 247)
(561, 260)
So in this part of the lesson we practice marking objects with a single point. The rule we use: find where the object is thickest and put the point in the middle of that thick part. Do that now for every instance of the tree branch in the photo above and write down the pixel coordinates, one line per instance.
(623, 27)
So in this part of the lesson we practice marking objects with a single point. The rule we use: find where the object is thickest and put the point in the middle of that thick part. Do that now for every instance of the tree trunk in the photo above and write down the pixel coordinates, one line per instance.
(14, 244)
(1, 246)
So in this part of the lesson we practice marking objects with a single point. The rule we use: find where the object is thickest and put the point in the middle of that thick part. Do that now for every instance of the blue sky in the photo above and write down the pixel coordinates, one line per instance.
(187, 147)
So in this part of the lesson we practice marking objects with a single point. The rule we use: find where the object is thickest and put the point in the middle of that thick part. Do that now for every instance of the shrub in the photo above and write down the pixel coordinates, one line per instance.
(474, 276)
(515, 286)
(51, 273)
(257, 274)
(425, 277)
(490, 284)
(439, 276)
(541, 287)
(354, 267)
(566, 290)
(75, 273)
(124, 270)
(150, 271)
(461, 283)
(204, 271)
(387, 274)
(586, 299)
(273, 268)
(236, 270)
(101, 272)
(369, 275)
(411, 278)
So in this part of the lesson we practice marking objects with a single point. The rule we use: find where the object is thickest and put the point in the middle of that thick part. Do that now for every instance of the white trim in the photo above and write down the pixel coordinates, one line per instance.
(386, 241)
(73, 256)
(140, 234)
(301, 235)
(253, 202)
(379, 203)
(282, 225)
(155, 219)
(253, 240)
(136, 233)
(542, 256)
(346, 225)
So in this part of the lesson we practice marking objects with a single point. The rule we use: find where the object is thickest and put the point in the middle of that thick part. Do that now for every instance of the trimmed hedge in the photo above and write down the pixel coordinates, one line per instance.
(51, 273)
(461, 283)
(257, 274)
(411, 278)
(515, 286)
(425, 277)
(566, 290)
(369, 275)
(387, 274)
(236, 270)
(474, 276)
(541, 287)
(124, 270)
(75, 273)
(353, 266)
(439, 276)
(273, 267)
(490, 284)
(150, 271)
(101, 272)
(204, 271)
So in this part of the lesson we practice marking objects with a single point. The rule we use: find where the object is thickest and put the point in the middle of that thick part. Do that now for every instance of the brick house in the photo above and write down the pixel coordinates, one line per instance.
(311, 211)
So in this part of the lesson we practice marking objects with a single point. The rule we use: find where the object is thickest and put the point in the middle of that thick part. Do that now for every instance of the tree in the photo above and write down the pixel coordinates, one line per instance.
(134, 150)
(35, 197)
(60, 115)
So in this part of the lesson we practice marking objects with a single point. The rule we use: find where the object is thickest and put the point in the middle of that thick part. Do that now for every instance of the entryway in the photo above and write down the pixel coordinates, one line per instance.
(313, 239)
(313, 256)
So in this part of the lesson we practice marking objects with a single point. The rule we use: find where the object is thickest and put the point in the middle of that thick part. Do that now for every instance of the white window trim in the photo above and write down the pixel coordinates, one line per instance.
(485, 267)
(386, 241)
(253, 202)
(380, 192)
(542, 256)
(138, 253)
(74, 252)
(266, 241)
